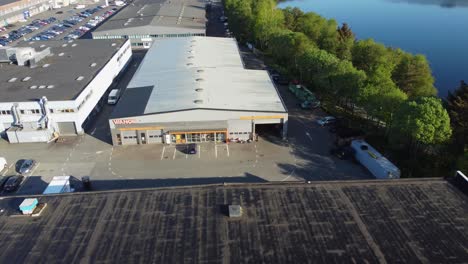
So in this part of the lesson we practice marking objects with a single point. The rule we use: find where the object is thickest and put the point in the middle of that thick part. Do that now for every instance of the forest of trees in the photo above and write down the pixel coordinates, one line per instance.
(394, 87)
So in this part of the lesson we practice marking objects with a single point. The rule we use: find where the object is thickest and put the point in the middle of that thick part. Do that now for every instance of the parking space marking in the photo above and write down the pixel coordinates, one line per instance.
(175, 150)
(22, 184)
(35, 167)
(199, 152)
(162, 153)
(7, 170)
(216, 151)
(186, 151)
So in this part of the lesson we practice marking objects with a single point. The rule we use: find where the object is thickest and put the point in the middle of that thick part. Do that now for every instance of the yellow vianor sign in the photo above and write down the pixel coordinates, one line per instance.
(261, 117)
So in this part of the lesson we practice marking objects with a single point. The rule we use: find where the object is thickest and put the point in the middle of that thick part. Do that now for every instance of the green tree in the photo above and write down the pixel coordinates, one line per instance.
(286, 47)
(424, 120)
(346, 39)
(240, 18)
(291, 17)
(267, 21)
(413, 75)
(457, 105)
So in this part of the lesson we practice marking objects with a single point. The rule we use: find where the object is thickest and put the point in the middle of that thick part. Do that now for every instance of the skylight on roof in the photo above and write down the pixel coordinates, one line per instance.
(80, 78)
(45, 65)
(64, 45)
(33, 87)
(50, 86)
(93, 64)
(13, 80)
(27, 78)
(42, 86)
(61, 54)
(74, 45)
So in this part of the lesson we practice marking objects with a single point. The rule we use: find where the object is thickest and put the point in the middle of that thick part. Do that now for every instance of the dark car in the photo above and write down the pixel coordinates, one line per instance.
(343, 153)
(13, 183)
(25, 166)
(192, 149)
(3, 180)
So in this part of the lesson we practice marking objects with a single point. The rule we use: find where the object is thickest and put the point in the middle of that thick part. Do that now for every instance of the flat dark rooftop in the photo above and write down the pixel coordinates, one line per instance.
(69, 60)
(405, 221)
(164, 15)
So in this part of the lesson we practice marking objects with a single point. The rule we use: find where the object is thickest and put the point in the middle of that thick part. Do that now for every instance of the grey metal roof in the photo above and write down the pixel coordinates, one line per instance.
(200, 73)
(69, 60)
(415, 221)
(157, 17)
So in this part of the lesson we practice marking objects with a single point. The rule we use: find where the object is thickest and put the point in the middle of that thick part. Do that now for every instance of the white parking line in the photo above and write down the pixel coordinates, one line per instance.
(162, 153)
(227, 148)
(175, 150)
(199, 152)
(186, 152)
(216, 151)
(34, 169)
(7, 170)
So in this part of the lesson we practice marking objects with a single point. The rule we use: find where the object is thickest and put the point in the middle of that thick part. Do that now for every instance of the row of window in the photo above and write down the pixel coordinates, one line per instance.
(123, 53)
(152, 36)
(239, 133)
(130, 137)
(37, 111)
(154, 136)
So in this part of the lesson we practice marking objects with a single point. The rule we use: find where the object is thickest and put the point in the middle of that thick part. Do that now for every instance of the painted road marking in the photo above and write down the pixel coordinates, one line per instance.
(7, 170)
(162, 153)
(308, 135)
(34, 169)
(227, 148)
(216, 151)
(199, 151)
(175, 150)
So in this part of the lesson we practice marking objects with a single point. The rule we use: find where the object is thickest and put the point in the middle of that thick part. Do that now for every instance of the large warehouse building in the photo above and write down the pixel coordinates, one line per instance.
(196, 89)
(51, 88)
(143, 21)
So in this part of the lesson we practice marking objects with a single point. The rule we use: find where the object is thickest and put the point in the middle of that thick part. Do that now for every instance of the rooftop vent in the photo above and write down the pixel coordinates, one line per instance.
(42, 86)
(50, 86)
(61, 54)
(235, 211)
(199, 79)
(80, 78)
(193, 40)
(190, 57)
(199, 90)
(70, 41)
(27, 78)
(33, 87)
(200, 70)
(45, 65)
(93, 64)
(12, 80)
(191, 51)
(74, 45)
(189, 64)
(64, 45)
(113, 44)
(198, 101)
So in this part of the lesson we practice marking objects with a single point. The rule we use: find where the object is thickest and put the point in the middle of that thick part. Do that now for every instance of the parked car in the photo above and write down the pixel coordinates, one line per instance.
(326, 121)
(343, 153)
(3, 180)
(25, 166)
(13, 183)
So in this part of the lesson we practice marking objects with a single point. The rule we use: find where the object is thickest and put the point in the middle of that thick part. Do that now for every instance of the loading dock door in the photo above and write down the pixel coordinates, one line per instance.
(129, 137)
(154, 136)
(67, 128)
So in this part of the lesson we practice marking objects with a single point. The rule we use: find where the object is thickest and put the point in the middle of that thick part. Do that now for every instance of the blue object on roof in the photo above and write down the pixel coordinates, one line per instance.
(28, 205)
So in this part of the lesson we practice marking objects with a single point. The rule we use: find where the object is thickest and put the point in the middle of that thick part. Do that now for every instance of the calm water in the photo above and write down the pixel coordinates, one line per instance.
(435, 28)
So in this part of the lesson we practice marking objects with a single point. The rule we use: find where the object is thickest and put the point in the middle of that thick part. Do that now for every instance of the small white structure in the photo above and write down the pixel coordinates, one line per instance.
(28, 205)
(59, 184)
(377, 164)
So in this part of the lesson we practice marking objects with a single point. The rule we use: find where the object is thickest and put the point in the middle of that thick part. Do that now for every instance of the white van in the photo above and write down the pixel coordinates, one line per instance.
(3, 164)
(114, 96)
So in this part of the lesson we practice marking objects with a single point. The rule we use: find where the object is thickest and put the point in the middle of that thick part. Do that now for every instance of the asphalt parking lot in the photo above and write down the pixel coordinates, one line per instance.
(60, 14)
(305, 156)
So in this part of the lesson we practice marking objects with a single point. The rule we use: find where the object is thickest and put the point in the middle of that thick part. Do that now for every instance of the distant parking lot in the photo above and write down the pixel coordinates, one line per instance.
(56, 24)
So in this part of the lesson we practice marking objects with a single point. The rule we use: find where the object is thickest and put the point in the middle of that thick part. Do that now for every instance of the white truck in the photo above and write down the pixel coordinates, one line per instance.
(114, 96)
(377, 164)
(59, 184)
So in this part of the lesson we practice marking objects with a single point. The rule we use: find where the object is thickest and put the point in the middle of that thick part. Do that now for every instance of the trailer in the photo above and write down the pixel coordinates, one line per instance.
(59, 184)
(377, 164)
